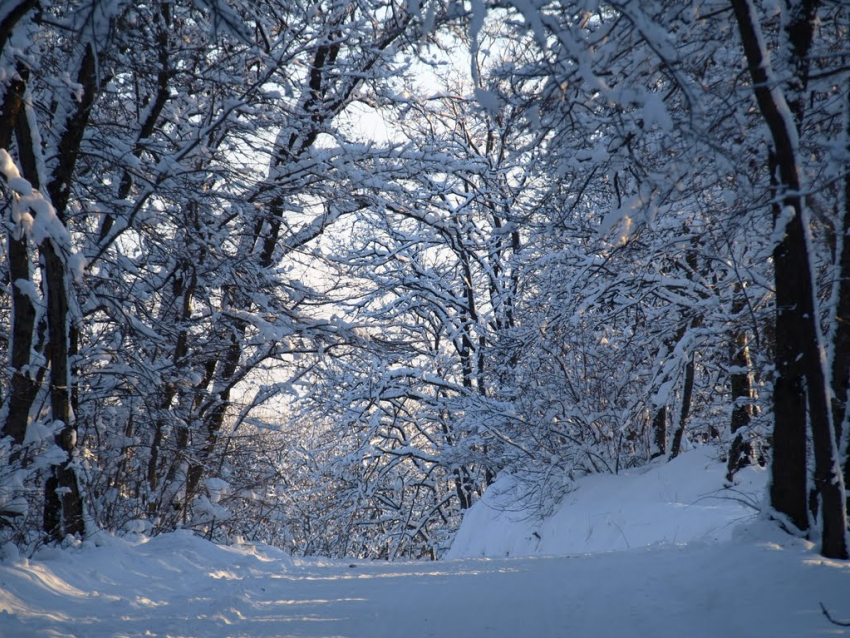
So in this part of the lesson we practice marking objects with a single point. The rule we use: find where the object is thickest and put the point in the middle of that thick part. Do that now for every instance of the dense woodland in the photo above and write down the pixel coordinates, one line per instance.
(317, 273)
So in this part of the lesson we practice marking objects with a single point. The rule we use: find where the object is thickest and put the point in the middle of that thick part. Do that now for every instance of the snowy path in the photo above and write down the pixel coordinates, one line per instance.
(179, 586)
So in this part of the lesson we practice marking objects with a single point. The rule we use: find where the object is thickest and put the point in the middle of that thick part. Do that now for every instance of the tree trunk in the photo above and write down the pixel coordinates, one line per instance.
(659, 432)
(687, 395)
(63, 506)
(741, 452)
(23, 388)
(800, 373)
(217, 411)
(63, 501)
(841, 336)
(691, 259)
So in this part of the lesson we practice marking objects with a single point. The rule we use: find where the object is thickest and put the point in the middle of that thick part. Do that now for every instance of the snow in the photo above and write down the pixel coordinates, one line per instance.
(781, 224)
(488, 100)
(655, 113)
(677, 502)
(697, 564)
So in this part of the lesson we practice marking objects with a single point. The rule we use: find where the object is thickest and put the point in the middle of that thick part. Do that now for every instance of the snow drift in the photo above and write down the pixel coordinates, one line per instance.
(677, 502)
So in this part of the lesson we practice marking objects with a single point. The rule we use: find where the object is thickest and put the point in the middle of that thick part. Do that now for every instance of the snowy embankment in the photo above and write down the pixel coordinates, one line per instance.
(677, 502)
(700, 574)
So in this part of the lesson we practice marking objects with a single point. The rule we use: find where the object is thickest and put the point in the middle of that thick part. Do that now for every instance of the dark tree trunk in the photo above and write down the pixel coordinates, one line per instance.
(63, 500)
(800, 373)
(688, 388)
(23, 388)
(63, 506)
(659, 432)
(741, 452)
(659, 420)
(687, 396)
(841, 336)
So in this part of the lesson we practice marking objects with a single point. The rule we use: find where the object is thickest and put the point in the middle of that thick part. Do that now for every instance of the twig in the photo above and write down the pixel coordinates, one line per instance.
(831, 619)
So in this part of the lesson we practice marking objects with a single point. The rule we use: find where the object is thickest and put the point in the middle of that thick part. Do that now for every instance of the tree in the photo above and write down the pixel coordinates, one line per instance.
(160, 285)
(673, 89)
(566, 261)
(802, 381)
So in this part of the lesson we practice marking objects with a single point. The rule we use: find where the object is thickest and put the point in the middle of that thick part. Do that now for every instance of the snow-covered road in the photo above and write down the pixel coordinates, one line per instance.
(660, 551)
(180, 586)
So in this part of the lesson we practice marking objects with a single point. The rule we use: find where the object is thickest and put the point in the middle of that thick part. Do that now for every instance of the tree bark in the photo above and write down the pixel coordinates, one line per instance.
(22, 387)
(659, 432)
(801, 379)
(687, 395)
(841, 336)
(740, 452)
(63, 504)
(63, 507)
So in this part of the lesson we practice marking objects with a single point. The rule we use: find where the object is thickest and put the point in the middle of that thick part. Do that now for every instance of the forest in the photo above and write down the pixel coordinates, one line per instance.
(314, 273)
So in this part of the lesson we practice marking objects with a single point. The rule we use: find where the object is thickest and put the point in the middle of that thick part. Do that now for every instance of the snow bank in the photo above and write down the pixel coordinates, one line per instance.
(757, 583)
(677, 502)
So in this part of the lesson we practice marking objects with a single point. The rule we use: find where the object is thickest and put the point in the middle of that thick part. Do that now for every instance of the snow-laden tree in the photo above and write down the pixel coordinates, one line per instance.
(687, 130)
(535, 298)
(166, 167)
(612, 230)
(793, 105)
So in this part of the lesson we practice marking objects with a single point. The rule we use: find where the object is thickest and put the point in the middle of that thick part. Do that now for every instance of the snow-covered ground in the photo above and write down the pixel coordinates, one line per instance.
(682, 562)
(677, 502)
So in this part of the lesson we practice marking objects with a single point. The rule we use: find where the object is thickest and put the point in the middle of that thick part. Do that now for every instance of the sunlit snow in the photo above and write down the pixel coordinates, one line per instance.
(698, 563)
